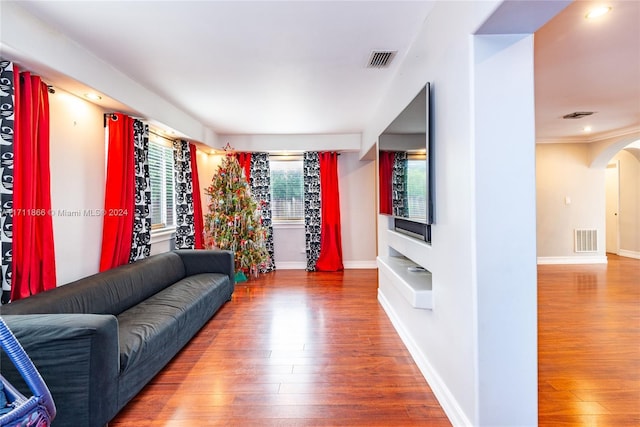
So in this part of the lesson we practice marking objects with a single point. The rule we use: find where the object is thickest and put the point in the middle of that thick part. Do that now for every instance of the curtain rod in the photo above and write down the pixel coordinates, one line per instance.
(162, 136)
(290, 155)
(113, 114)
(282, 154)
(150, 130)
(50, 87)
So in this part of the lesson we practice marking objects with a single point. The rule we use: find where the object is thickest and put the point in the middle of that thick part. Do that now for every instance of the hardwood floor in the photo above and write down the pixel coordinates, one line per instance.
(292, 349)
(589, 344)
(316, 349)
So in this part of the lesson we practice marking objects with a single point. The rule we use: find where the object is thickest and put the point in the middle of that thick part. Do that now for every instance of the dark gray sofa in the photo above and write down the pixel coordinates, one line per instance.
(99, 340)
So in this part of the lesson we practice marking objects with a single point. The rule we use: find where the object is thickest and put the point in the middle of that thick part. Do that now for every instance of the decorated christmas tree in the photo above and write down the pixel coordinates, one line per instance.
(233, 221)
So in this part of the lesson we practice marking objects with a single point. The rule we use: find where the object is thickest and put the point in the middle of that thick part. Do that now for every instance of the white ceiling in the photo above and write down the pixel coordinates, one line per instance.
(289, 67)
(588, 65)
(249, 67)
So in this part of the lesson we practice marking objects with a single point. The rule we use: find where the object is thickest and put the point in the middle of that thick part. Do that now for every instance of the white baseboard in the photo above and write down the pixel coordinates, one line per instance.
(293, 265)
(440, 390)
(360, 264)
(629, 254)
(572, 260)
(298, 265)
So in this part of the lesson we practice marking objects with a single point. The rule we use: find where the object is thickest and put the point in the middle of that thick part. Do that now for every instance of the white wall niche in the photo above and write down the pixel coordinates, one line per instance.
(415, 286)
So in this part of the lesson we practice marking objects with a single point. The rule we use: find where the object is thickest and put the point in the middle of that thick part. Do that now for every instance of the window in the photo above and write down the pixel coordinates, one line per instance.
(161, 174)
(287, 202)
(416, 188)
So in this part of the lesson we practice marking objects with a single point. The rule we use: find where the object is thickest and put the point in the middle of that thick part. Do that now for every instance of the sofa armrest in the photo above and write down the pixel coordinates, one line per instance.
(77, 355)
(197, 261)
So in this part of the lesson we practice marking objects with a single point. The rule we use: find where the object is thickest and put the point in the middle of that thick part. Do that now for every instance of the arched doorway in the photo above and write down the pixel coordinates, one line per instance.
(622, 201)
(621, 159)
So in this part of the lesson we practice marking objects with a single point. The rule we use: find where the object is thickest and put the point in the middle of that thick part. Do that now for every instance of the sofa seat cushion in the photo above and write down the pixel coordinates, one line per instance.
(168, 319)
(152, 332)
(143, 332)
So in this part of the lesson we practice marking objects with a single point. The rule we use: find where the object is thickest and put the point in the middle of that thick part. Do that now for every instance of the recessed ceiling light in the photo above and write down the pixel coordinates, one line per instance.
(587, 128)
(92, 96)
(597, 12)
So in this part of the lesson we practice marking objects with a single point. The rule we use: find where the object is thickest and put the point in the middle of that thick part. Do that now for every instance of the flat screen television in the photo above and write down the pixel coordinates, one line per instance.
(405, 159)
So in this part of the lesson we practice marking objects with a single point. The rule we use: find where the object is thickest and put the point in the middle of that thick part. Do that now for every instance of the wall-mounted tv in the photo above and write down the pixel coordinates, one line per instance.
(405, 154)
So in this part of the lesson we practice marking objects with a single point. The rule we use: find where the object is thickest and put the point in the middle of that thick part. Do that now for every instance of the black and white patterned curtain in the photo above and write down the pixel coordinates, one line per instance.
(399, 184)
(7, 102)
(185, 228)
(312, 214)
(260, 184)
(141, 239)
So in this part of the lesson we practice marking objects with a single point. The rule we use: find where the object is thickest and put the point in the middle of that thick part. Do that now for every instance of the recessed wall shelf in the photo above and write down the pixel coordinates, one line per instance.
(414, 286)
(417, 250)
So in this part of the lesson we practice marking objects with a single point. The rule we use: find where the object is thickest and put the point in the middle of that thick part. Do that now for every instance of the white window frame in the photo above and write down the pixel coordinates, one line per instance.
(284, 222)
(164, 226)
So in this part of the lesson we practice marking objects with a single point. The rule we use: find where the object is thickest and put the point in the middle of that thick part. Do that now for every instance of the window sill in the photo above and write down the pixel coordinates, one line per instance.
(162, 234)
(288, 224)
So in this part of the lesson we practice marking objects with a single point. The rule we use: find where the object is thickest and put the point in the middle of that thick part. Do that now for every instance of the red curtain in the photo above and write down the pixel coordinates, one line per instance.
(117, 229)
(34, 267)
(198, 221)
(245, 163)
(385, 172)
(330, 258)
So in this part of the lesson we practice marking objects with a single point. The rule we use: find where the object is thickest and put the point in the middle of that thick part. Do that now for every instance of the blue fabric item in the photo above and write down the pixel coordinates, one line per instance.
(4, 403)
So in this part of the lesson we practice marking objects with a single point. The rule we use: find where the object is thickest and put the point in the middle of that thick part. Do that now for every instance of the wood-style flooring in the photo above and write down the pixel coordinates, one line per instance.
(589, 344)
(316, 349)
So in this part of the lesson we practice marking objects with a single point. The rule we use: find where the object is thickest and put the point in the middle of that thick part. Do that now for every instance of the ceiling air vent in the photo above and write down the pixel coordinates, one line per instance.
(381, 59)
(577, 115)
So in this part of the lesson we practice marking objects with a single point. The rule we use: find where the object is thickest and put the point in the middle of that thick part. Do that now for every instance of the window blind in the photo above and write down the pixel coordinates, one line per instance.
(287, 203)
(162, 186)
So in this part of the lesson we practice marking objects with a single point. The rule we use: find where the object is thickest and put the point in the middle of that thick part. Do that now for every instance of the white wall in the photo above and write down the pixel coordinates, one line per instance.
(629, 212)
(357, 202)
(570, 195)
(207, 166)
(77, 184)
(478, 346)
(292, 143)
(289, 246)
(357, 210)
(442, 340)
(504, 228)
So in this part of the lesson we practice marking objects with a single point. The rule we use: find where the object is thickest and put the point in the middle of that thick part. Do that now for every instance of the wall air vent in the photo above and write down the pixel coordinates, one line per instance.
(577, 115)
(381, 59)
(586, 240)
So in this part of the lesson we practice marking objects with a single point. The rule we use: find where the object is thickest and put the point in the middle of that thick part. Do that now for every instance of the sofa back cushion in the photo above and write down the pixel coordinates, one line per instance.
(110, 292)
